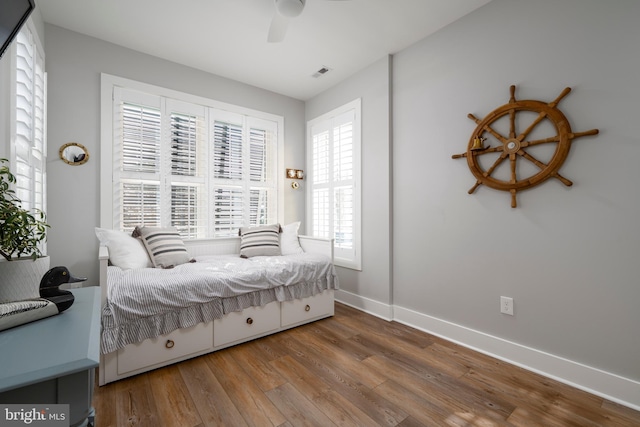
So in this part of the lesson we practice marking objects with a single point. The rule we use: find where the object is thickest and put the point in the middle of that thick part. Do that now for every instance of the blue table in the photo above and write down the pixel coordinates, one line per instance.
(53, 360)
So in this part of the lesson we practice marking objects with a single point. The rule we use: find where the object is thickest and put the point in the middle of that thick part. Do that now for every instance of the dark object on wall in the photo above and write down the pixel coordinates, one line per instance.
(50, 287)
(547, 126)
(13, 14)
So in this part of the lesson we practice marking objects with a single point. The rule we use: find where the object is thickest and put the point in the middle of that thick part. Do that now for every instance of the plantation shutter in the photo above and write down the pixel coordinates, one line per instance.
(320, 183)
(187, 164)
(261, 165)
(343, 183)
(30, 118)
(138, 130)
(333, 199)
(228, 136)
(244, 158)
(208, 172)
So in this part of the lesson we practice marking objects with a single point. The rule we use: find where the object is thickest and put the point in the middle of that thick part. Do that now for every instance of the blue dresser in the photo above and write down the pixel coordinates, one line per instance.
(53, 360)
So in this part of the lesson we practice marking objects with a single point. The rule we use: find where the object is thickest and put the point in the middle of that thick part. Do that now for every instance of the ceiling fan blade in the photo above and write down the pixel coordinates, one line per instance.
(278, 28)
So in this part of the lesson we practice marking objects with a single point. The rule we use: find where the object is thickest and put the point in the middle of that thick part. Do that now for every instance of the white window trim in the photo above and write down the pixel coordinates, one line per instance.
(107, 84)
(354, 263)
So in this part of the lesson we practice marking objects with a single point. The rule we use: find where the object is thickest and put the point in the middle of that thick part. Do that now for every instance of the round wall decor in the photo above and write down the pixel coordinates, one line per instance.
(543, 124)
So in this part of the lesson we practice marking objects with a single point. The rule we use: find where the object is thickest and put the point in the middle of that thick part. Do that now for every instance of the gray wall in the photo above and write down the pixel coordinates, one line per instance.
(74, 63)
(372, 85)
(567, 255)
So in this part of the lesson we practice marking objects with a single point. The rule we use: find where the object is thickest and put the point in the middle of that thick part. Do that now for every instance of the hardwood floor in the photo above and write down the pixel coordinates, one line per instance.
(350, 370)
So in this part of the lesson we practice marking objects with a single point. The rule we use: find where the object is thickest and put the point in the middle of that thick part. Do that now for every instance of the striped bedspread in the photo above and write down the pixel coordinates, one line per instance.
(148, 302)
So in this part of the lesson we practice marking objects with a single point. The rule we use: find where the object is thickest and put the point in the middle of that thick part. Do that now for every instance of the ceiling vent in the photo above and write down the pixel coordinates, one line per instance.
(321, 72)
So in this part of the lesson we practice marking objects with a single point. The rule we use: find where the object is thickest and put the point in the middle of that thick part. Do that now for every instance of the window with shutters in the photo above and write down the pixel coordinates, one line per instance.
(28, 152)
(191, 164)
(333, 171)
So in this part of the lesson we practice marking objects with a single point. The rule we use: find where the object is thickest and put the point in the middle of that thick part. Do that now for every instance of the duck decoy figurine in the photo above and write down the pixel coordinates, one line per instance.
(52, 301)
(50, 287)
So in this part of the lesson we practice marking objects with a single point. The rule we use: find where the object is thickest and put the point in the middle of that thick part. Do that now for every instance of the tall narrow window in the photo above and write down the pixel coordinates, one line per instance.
(29, 138)
(333, 164)
(204, 170)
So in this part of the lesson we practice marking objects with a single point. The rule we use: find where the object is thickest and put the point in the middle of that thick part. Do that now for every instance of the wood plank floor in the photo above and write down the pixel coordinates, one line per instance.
(350, 370)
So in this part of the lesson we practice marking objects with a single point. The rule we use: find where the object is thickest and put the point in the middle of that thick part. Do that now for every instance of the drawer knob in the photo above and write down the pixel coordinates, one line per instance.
(169, 344)
(249, 321)
(307, 307)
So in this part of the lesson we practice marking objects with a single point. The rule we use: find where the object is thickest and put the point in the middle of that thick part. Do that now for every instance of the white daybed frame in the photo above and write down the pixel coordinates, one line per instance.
(232, 329)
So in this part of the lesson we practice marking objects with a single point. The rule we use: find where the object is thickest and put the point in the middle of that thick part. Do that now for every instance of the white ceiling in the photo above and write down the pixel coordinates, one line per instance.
(229, 37)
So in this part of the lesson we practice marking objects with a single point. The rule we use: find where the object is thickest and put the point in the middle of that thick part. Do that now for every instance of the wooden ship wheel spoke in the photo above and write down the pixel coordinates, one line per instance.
(517, 148)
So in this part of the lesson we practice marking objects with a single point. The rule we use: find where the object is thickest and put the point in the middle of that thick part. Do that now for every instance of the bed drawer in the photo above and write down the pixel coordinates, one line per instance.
(164, 348)
(244, 324)
(305, 309)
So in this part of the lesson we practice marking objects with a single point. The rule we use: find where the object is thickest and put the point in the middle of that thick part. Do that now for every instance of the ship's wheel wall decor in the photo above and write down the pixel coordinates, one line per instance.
(490, 145)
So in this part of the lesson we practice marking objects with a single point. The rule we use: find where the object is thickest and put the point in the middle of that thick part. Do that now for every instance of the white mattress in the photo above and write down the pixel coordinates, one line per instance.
(148, 302)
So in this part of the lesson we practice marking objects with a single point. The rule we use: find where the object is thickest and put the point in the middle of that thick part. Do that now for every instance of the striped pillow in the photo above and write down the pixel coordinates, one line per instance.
(262, 240)
(164, 245)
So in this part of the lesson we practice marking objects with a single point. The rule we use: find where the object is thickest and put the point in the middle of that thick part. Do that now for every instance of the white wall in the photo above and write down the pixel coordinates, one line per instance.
(74, 64)
(372, 285)
(567, 255)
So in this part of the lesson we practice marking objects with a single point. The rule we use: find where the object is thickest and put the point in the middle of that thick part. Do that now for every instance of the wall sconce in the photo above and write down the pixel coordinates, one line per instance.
(295, 174)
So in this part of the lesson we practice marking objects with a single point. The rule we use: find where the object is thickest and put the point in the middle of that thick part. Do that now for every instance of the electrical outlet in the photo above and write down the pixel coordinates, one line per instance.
(506, 305)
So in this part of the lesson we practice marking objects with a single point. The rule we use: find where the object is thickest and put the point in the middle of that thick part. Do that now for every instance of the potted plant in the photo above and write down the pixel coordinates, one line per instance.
(21, 235)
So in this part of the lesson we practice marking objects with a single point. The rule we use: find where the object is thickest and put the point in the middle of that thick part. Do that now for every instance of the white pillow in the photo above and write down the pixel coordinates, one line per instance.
(164, 246)
(262, 240)
(289, 244)
(125, 251)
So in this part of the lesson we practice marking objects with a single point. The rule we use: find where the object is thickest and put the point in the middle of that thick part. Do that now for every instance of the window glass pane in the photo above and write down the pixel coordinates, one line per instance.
(184, 144)
(140, 205)
(321, 212)
(343, 217)
(185, 211)
(23, 173)
(260, 206)
(229, 211)
(258, 151)
(140, 139)
(343, 152)
(321, 158)
(227, 151)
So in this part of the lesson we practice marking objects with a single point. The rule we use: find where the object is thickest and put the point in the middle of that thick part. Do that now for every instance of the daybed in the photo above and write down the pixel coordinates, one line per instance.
(155, 331)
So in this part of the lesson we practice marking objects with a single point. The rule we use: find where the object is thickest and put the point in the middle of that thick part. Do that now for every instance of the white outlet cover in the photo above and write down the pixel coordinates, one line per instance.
(506, 305)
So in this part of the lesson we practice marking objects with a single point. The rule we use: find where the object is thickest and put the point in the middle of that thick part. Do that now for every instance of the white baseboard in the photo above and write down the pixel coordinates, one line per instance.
(601, 383)
(367, 305)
